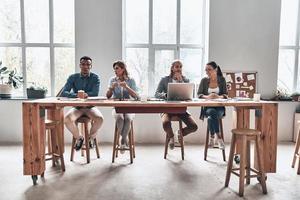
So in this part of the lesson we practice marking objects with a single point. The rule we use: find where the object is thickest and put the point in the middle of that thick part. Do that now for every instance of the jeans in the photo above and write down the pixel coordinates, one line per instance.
(123, 123)
(213, 115)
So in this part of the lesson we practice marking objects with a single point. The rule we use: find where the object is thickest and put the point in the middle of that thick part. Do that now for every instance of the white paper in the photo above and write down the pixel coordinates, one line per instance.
(245, 84)
(237, 86)
(250, 77)
(251, 87)
(228, 78)
(239, 78)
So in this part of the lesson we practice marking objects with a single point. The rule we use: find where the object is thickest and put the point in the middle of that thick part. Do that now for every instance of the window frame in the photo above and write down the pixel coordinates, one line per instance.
(176, 47)
(296, 49)
(51, 45)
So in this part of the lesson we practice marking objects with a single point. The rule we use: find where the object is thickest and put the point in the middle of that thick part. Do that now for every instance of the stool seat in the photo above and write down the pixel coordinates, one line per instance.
(248, 132)
(83, 119)
(50, 123)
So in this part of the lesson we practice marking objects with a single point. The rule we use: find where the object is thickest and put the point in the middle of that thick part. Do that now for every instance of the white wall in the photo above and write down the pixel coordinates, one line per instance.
(243, 36)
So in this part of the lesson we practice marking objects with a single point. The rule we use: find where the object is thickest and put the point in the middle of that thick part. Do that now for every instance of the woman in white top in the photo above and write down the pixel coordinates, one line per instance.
(122, 87)
(213, 87)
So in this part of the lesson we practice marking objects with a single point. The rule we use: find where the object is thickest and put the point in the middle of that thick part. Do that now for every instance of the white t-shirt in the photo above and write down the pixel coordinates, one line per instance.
(213, 90)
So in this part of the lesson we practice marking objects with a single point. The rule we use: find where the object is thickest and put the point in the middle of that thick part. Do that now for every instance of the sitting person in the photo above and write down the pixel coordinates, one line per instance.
(212, 87)
(161, 92)
(122, 86)
(89, 83)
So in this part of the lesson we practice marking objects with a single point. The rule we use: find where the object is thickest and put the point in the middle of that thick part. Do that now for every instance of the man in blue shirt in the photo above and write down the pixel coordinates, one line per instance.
(90, 83)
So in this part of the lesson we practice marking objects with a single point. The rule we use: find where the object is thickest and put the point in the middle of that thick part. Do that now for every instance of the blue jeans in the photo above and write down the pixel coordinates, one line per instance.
(213, 115)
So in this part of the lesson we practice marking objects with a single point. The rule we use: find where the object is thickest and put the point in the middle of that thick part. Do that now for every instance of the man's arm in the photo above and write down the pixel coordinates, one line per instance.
(68, 87)
(161, 92)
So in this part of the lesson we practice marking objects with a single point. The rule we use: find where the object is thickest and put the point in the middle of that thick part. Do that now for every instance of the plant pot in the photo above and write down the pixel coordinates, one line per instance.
(35, 94)
(5, 91)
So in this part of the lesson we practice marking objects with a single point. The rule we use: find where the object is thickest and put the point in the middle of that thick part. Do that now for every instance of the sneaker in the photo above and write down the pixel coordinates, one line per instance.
(171, 143)
(122, 148)
(91, 143)
(237, 159)
(221, 144)
(176, 139)
(211, 142)
(79, 143)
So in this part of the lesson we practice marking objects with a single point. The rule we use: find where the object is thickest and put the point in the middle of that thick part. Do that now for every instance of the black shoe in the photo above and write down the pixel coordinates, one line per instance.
(91, 143)
(79, 143)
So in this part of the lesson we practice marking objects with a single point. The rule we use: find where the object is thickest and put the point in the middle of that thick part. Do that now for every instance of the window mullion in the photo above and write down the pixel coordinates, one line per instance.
(52, 57)
(151, 54)
(23, 41)
(297, 51)
(178, 17)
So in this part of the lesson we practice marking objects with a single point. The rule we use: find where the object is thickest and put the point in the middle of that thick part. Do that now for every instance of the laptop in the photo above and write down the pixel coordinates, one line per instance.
(180, 91)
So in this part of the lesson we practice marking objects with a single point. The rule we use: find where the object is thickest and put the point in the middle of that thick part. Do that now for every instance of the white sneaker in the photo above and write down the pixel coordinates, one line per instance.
(171, 143)
(221, 144)
(211, 142)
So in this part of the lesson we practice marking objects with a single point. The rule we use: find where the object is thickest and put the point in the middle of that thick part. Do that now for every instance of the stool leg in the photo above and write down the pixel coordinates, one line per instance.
(248, 162)
(260, 162)
(87, 146)
(132, 136)
(97, 148)
(130, 147)
(206, 143)
(118, 143)
(72, 149)
(114, 145)
(181, 140)
(296, 149)
(230, 160)
(53, 145)
(298, 171)
(166, 146)
(82, 132)
(243, 166)
(222, 136)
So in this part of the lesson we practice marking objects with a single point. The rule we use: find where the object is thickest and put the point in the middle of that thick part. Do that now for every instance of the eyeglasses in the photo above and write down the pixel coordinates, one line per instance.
(85, 64)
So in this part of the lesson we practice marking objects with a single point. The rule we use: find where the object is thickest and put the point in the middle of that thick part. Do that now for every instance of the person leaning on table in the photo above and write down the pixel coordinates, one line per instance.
(90, 83)
(122, 86)
(213, 87)
(161, 92)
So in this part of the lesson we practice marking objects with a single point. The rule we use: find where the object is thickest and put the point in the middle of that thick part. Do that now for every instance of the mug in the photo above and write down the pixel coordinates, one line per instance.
(256, 97)
(80, 94)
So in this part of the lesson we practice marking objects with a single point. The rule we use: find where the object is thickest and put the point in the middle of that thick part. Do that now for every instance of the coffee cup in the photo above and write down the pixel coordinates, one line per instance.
(256, 97)
(80, 94)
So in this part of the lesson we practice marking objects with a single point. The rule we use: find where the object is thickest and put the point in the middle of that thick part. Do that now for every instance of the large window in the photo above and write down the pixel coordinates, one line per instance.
(288, 61)
(156, 32)
(37, 38)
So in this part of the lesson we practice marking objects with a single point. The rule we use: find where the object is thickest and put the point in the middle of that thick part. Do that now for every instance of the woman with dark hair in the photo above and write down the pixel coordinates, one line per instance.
(213, 87)
(121, 87)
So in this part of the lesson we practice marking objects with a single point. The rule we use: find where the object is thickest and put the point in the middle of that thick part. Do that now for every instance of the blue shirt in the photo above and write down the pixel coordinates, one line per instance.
(90, 84)
(120, 92)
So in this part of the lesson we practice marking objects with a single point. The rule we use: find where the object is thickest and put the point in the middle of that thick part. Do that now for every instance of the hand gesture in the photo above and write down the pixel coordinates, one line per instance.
(213, 96)
(123, 84)
(178, 76)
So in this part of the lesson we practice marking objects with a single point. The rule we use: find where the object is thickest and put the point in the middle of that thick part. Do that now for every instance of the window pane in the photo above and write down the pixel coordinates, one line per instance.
(288, 22)
(63, 13)
(137, 21)
(191, 22)
(37, 21)
(10, 23)
(137, 63)
(11, 58)
(38, 67)
(163, 60)
(164, 21)
(64, 66)
(286, 70)
(298, 81)
(192, 63)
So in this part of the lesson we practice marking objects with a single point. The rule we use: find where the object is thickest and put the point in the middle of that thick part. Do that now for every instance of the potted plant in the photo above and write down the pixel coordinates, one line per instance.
(282, 95)
(295, 96)
(9, 79)
(36, 92)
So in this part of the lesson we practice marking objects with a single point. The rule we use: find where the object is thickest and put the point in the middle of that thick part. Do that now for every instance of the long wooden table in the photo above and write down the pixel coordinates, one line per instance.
(34, 123)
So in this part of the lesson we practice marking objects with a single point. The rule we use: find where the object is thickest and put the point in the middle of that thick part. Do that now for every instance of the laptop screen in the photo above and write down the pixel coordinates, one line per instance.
(180, 91)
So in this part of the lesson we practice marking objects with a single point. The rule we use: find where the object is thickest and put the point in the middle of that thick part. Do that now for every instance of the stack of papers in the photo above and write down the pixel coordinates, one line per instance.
(97, 98)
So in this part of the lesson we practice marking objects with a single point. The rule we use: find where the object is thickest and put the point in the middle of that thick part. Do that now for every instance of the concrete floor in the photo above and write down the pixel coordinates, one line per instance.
(149, 177)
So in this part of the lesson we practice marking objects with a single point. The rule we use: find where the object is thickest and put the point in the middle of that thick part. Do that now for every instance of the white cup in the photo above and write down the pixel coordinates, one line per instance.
(256, 97)
(80, 94)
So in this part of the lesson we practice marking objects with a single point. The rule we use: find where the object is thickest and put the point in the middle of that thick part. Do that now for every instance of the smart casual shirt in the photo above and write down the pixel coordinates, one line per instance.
(90, 84)
(120, 92)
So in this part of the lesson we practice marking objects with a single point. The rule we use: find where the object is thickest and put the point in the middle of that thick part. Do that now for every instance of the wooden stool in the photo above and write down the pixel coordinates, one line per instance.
(117, 146)
(84, 121)
(246, 136)
(54, 145)
(207, 139)
(180, 138)
(297, 152)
